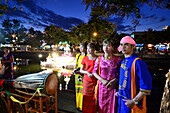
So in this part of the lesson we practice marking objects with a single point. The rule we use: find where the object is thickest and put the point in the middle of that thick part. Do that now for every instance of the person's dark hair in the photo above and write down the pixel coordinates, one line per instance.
(84, 44)
(109, 41)
(92, 45)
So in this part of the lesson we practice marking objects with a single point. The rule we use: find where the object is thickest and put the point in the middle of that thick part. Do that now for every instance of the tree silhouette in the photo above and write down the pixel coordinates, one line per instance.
(122, 8)
(53, 35)
(4, 6)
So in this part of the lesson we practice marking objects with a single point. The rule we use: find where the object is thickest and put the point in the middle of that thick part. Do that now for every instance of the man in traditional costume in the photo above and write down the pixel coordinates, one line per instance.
(132, 89)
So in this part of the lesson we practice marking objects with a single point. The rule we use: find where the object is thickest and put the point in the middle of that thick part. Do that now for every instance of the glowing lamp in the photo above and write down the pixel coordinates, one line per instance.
(95, 34)
(15, 68)
(149, 45)
(54, 55)
(40, 55)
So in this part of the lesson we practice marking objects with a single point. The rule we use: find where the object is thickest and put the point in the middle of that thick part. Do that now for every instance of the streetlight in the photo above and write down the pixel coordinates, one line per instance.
(94, 34)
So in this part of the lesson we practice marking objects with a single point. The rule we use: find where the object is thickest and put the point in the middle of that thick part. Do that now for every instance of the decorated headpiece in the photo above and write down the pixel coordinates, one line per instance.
(127, 39)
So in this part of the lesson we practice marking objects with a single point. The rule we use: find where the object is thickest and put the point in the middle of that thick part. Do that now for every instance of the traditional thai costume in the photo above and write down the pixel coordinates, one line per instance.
(8, 63)
(108, 71)
(79, 83)
(89, 105)
(143, 82)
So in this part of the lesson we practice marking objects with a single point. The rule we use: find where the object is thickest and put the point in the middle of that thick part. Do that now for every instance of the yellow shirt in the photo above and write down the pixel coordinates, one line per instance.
(80, 59)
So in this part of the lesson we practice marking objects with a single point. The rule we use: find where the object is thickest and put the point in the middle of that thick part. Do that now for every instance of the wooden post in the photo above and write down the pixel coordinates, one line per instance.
(56, 108)
(26, 107)
(9, 104)
(41, 104)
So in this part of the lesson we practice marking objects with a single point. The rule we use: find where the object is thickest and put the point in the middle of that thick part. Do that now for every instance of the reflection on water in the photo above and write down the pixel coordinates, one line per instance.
(25, 66)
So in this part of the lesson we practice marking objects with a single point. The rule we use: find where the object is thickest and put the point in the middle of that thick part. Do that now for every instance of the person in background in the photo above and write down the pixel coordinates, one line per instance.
(108, 78)
(89, 81)
(142, 81)
(0, 69)
(7, 61)
(79, 77)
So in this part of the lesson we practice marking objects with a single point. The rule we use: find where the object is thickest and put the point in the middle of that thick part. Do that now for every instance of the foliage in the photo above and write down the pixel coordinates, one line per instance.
(84, 32)
(122, 8)
(12, 29)
(53, 35)
(5, 4)
(34, 38)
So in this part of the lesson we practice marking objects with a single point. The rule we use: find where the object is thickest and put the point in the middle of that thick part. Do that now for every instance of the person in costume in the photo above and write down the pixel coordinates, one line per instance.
(89, 81)
(108, 78)
(0, 69)
(7, 61)
(142, 81)
(79, 77)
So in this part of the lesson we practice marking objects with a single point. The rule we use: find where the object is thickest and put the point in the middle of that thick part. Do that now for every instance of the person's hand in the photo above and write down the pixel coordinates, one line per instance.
(129, 103)
(111, 83)
(90, 75)
(116, 94)
(104, 82)
(77, 71)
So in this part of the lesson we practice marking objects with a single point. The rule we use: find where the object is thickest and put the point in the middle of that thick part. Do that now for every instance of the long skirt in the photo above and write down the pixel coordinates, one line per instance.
(79, 91)
(107, 99)
(89, 100)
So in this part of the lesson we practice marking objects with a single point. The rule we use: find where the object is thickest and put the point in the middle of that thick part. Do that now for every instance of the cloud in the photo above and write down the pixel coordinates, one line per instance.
(116, 20)
(39, 17)
(124, 28)
(162, 19)
(153, 16)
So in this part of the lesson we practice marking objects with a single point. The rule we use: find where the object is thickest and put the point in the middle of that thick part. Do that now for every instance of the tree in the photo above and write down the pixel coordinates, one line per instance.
(7, 26)
(31, 31)
(35, 39)
(53, 35)
(16, 25)
(84, 32)
(13, 30)
(2, 38)
(122, 8)
(4, 6)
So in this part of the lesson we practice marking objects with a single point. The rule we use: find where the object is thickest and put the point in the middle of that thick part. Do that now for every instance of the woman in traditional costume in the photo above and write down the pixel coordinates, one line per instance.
(7, 61)
(89, 81)
(108, 78)
(79, 76)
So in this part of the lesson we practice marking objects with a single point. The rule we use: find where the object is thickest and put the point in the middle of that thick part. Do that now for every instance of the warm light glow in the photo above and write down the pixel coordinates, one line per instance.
(95, 34)
(40, 55)
(13, 35)
(149, 45)
(59, 74)
(54, 54)
(15, 68)
(58, 62)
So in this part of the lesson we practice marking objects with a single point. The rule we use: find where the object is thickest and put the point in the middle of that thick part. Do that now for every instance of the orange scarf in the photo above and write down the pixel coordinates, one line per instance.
(136, 109)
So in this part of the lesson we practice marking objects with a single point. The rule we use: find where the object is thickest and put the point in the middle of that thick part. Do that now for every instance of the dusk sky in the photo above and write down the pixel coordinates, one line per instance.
(67, 13)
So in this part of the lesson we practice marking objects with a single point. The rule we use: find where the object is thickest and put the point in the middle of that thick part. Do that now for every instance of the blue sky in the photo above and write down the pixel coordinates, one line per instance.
(154, 18)
(67, 8)
(67, 13)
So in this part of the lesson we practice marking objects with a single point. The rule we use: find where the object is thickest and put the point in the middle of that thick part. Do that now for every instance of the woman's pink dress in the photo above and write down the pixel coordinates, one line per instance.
(109, 70)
